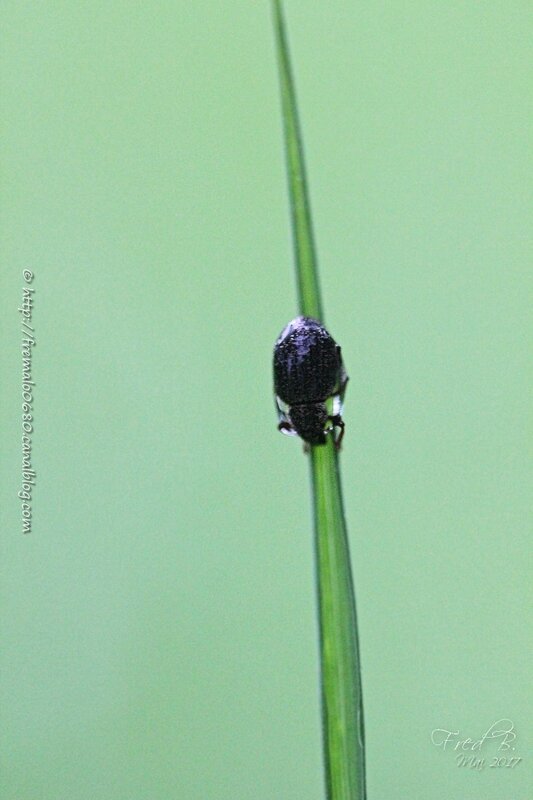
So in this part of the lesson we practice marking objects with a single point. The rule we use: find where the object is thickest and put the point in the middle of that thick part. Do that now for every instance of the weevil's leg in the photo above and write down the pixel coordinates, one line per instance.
(306, 448)
(284, 425)
(340, 390)
(343, 384)
(337, 423)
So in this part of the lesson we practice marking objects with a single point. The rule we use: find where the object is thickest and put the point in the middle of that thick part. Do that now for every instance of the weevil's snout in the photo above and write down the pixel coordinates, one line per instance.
(309, 421)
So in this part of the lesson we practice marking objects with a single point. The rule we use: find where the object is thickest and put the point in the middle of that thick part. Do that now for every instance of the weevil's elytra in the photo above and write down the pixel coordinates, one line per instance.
(308, 369)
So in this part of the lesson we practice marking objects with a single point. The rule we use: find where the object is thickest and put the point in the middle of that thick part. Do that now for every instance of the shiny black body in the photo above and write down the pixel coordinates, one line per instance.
(308, 369)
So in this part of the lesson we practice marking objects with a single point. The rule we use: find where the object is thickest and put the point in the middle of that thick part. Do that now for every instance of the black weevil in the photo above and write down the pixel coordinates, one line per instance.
(308, 370)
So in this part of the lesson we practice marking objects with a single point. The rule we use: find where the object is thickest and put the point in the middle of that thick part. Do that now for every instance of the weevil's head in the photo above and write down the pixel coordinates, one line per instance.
(309, 421)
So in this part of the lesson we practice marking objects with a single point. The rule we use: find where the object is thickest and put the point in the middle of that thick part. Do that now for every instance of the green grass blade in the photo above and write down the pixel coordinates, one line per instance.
(342, 706)
(304, 246)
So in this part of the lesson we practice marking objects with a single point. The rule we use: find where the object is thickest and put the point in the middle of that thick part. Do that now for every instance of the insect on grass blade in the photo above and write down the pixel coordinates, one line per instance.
(342, 704)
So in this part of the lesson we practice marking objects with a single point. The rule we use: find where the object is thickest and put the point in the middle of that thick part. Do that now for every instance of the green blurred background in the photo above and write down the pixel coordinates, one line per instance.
(158, 626)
